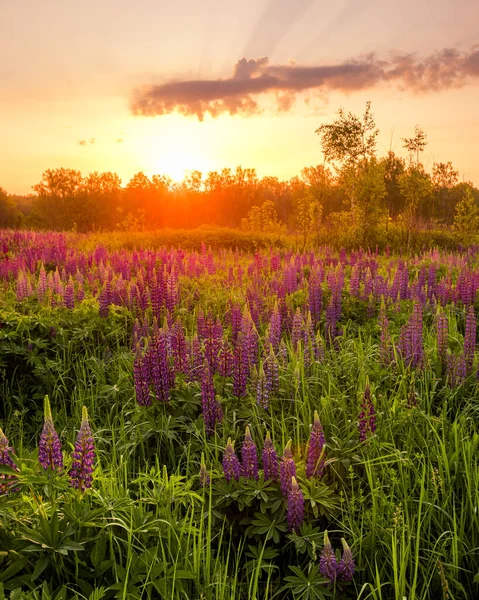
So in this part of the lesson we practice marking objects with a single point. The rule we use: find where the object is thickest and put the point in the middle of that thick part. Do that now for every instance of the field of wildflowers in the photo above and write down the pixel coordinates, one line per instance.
(236, 425)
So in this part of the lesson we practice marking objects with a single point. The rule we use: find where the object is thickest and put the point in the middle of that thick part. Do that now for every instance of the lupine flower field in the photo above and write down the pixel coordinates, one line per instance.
(225, 424)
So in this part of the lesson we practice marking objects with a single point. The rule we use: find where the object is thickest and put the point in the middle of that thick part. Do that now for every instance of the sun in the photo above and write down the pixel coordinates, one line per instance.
(176, 157)
(177, 163)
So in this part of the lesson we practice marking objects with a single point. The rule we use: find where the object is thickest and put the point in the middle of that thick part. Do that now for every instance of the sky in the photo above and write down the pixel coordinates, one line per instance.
(166, 87)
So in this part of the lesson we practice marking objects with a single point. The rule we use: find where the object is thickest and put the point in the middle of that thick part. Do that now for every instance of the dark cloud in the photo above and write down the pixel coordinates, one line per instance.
(240, 94)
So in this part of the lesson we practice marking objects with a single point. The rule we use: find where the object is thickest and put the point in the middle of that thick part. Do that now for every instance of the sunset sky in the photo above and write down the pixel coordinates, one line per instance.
(115, 85)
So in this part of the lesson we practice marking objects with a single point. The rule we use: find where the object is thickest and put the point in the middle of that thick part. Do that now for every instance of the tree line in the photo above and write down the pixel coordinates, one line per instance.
(354, 189)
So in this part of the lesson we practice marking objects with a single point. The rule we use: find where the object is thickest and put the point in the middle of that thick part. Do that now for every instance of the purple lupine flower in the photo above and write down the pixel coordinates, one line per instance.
(328, 566)
(470, 338)
(69, 296)
(49, 449)
(231, 464)
(241, 367)
(367, 416)
(411, 341)
(236, 319)
(105, 300)
(204, 477)
(315, 458)
(141, 376)
(6, 481)
(271, 370)
(195, 357)
(178, 347)
(295, 506)
(249, 457)
(81, 472)
(161, 373)
(211, 407)
(287, 469)
(442, 328)
(270, 459)
(346, 565)
(315, 297)
(456, 369)
(274, 336)
(225, 359)
(263, 389)
(212, 332)
(297, 329)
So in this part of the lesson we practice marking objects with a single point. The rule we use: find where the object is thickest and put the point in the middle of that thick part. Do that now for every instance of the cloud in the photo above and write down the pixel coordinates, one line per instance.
(86, 142)
(241, 93)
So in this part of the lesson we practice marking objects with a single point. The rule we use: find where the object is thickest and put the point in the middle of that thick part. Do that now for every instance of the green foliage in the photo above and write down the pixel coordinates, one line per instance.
(263, 219)
(466, 219)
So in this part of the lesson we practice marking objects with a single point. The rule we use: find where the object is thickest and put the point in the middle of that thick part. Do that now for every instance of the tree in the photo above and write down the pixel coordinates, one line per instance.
(352, 142)
(102, 197)
(444, 179)
(394, 167)
(60, 199)
(349, 139)
(264, 219)
(10, 216)
(415, 144)
(466, 219)
(416, 188)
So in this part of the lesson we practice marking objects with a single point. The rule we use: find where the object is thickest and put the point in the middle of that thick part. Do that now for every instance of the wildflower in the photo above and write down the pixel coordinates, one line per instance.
(249, 457)
(270, 459)
(470, 338)
(211, 407)
(231, 464)
(287, 469)
(346, 564)
(141, 376)
(263, 389)
(295, 506)
(315, 458)
(49, 449)
(367, 416)
(5, 459)
(328, 566)
(83, 456)
(442, 335)
(204, 477)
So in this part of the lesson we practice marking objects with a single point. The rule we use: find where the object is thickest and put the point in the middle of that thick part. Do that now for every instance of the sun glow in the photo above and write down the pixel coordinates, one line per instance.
(176, 158)
(176, 164)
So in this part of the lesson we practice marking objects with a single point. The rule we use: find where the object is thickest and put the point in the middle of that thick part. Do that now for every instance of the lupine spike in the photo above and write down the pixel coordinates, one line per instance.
(270, 459)
(212, 411)
(49, 449)
(204, 477)
(346, 565)
(295, 506)
(5, 459)
(315, 457)
(328, 566)
(81, 472)
(249, 457)
(287, 469)
(231, 464)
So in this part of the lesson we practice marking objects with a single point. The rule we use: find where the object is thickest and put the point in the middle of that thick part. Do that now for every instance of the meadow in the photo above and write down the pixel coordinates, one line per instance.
(219, 424)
